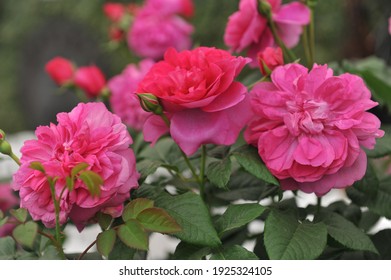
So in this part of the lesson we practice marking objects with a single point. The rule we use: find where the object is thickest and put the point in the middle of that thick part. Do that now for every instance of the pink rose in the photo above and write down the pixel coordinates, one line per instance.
(151, 34)
(61, 70)
(181, 7)
(389, 25)
(114, 11)
(89, 134)
(247, 29)
(91, 80)
(311, 127)
(7, 201)
(123, 99)
(269, 59)
(199, 95)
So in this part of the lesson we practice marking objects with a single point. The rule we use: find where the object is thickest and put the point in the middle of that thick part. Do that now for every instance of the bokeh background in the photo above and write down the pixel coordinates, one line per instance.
(34, 31)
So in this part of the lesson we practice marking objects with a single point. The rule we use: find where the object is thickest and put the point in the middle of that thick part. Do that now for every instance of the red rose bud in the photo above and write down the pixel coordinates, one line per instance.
(61, 70)
(187, 8)
(269, 59)
(2, 135)
(150, 103)
(114, 11)
(91, 80)
(116, 34)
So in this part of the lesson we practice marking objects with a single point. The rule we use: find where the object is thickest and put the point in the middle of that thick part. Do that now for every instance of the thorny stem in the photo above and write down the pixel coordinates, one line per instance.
(202, 173)
(15, 158)
(57, 216)
(263, 79)
(86, 250)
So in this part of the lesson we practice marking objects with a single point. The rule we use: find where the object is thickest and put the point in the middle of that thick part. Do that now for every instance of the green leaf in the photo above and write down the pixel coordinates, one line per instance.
(105, 242)
(19, 214)
(133, 235)
(382, 241)
(148, 167)
(92, 180)
(3, 221)
(249, 159)
(237, 216)
(104, 220)
(382, 147)
(135, 207)
(347, 233)
(121, 251)
(235, 252)
(25, 234)
(373, 193)
(158, 220)
(376, 75)
(1, 214)
(243, 185)
(70, 183)
(186, 251)
(286, 238)
(77, 168)
(50, 253)
(36, 165)
(219, 172)
(192, 215)
(7, 248)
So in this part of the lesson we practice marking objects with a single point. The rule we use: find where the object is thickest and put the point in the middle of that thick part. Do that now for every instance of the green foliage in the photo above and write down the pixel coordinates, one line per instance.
(135, 207)
(186, 251)
(19, 214)
(105, 242)
(346, 233)
(237, 216)
(92, 180)
(7, 248)
(219, 172)
(133, 235)
(157, 220)
(235, 252)
(287, 238)
(249, 159)
(25, 234)
(192, 215)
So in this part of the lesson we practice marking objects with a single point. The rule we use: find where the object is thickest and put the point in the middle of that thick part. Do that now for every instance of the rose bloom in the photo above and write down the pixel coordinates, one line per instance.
(114, 11)
(61, 70)
(311, 127)
(91, 80)
(269, 59)
(181, 7)
(7, 201)
(151, 34)
(123, 99)
(88, 134)
(199, 96)
(247, 29)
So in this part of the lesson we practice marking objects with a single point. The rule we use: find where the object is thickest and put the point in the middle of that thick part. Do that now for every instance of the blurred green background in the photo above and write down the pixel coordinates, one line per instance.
(34, 31)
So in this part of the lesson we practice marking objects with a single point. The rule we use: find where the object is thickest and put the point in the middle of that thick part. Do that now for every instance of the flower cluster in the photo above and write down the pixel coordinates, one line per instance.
(90, 79)
(157, 26)
(248, 30)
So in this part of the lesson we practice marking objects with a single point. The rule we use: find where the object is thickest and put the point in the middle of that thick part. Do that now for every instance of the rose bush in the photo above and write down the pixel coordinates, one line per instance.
(223, 154)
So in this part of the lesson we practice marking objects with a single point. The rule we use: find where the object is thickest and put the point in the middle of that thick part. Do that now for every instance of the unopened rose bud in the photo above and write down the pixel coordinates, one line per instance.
(91, 80)
(2, 135)
(150, 103)
(269, 59)
(265, 8)
(5, 148)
